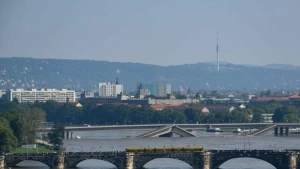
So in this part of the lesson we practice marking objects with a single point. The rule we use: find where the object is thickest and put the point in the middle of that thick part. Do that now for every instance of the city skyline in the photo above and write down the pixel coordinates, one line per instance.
(253, 32)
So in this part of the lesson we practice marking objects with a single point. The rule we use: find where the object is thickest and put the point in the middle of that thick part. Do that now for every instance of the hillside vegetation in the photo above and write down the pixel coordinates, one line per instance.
(86, 74)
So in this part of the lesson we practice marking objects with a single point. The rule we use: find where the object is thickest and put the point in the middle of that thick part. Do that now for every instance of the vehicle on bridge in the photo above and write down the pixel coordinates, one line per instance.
(214, 130)
(238, 130)
(163, 149)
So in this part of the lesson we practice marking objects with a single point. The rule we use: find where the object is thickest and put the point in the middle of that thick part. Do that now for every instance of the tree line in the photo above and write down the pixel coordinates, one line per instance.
(18, 124)
(18, 121)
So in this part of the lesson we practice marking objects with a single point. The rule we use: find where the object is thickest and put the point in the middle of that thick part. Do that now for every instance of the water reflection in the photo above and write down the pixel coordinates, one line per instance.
(32, 164)
(93, 163)
(167, 163)
(246, 163)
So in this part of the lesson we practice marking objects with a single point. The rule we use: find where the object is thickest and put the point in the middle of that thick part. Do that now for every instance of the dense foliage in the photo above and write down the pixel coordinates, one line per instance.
(55, 137)
(8, 142)
(18, 123)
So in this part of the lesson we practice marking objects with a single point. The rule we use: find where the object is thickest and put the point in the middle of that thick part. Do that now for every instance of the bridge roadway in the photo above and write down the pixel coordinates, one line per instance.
(183, 126)
(208, 159)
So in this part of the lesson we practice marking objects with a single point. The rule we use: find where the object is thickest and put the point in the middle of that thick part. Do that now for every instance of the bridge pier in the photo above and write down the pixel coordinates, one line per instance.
(60, 162)
(286, 130)
(293, 161)
(68, 135)
(276, 131)
(281, 131)
(129, 161)
(2, 162)
(207, 160)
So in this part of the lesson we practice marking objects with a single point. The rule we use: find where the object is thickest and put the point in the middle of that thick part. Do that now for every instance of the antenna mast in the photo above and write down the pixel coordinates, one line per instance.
(217, 49)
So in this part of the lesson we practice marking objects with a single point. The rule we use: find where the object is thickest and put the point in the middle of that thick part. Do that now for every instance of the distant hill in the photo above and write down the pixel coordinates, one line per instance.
(86, 74)
(282, 66)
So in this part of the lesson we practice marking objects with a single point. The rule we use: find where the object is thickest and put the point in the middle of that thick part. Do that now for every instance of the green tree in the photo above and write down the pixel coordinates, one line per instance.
(290, 118)
(240, 115)
(281, 112)
(56, 137)
(30, 119)
(192, 115)
(88, 113)
(50, 107)
(6, 106)
(257, 118)
(15, 123)
(8, 142)
(68, 113)
(15, 100)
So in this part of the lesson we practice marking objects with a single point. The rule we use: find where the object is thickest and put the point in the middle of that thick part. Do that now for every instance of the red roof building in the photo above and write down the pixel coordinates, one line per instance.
(266, 100)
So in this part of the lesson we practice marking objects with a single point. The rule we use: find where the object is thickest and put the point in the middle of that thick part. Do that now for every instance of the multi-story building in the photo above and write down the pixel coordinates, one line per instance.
(163, 90)
(267, 118)
(41, 95)
(151, 87)
(110, 90)
(144, 92)
(160, 90)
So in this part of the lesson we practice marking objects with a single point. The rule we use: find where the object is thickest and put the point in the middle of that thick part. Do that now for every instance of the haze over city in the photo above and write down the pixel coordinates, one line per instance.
(153, 32)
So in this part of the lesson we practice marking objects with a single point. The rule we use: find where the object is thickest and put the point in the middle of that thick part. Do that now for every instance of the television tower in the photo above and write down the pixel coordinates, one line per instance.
(217, 49)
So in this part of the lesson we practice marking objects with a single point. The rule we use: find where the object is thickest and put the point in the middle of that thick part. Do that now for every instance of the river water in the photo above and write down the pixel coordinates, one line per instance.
(118, 140)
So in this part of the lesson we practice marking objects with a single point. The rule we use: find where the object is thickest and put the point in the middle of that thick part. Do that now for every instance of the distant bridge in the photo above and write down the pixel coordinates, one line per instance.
(210, 159)
(262, 126)
(184, 126)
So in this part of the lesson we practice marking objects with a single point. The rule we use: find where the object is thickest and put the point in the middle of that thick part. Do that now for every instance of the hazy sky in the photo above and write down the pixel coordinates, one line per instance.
(163, 32)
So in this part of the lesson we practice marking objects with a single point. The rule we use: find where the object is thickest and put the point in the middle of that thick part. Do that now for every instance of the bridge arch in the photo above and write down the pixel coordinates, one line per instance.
(38, 163)
(140, 160)
(274, 159)
(245, 161)
(95, 163)
(167, 162)
(116, 159)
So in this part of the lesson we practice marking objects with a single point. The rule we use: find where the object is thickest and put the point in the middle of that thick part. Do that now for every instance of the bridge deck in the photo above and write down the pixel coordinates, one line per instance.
(165, 130)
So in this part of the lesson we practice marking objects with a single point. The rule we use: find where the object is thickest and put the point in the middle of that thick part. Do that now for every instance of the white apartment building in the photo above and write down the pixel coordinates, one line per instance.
(163, 90)
(41, 95)
(268, 118)
(110, 90)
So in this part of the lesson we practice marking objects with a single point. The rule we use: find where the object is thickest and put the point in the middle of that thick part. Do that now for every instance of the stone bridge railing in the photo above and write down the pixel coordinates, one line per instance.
(210, 159)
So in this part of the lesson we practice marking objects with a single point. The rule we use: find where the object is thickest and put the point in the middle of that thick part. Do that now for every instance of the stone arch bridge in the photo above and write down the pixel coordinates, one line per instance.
(210, 159)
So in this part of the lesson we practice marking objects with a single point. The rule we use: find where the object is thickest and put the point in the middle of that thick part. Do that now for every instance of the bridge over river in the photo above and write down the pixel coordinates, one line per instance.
(208, 159)
(263, 127)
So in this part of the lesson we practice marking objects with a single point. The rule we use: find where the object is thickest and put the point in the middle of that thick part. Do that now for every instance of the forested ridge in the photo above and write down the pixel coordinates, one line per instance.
(86, 74)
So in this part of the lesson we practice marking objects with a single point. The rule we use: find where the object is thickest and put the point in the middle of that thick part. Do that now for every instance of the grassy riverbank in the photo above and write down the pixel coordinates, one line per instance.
(40, 149)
